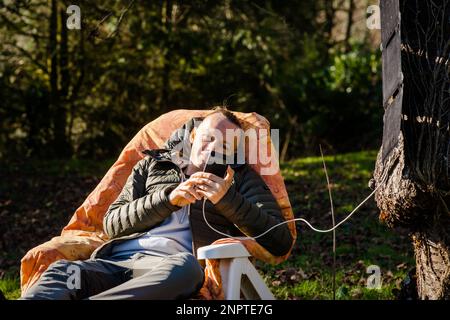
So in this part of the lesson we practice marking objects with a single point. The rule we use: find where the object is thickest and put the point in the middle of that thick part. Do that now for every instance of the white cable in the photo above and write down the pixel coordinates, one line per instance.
(296, 219)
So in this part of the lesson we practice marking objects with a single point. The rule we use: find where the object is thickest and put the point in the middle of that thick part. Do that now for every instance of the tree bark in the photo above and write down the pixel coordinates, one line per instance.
(412, 168)
(404, 201)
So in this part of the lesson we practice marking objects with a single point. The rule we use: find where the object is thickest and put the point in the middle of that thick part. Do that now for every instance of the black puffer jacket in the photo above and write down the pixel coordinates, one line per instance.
(247, 209)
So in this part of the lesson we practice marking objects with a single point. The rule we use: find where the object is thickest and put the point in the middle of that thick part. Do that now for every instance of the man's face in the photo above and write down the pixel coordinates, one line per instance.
(210, 135)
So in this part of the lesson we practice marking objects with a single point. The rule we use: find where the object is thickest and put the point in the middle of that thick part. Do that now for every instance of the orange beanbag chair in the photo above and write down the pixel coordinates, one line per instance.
(84, 232)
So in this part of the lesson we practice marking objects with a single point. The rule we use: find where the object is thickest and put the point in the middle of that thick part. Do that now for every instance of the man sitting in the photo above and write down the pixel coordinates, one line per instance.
(156, 224)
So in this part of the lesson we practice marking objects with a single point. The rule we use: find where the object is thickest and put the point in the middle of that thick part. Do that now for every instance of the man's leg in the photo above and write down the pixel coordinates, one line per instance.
(70, 280)
(176, 276)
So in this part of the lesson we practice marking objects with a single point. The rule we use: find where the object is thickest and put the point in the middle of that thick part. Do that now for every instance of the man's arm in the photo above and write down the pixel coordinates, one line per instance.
(253, 209)
(135, 209)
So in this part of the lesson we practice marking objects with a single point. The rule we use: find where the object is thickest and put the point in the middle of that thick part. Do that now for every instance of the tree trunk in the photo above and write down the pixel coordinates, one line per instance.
(404, 201)
(167, 27)
(287, 139)
(348, 31)
(432, 259)
(60, 143)
(412, 168)
(329, 22)
(65, 80)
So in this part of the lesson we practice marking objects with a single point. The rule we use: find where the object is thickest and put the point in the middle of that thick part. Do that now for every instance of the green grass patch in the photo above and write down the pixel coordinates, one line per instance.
(10, 286)
(361, 242)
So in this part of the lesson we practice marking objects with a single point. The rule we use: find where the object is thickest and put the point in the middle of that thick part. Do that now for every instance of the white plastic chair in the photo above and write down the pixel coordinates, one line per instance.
(237, 272)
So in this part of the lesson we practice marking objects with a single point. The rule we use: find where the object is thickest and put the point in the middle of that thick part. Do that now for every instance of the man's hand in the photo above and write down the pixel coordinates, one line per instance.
(211, 186)
(184, 193)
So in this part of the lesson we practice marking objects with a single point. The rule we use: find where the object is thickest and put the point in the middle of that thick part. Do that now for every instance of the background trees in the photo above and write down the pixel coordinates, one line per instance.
(311, 67)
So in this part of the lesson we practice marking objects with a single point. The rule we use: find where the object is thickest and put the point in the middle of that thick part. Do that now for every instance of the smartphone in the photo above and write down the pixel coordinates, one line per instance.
(219, 169)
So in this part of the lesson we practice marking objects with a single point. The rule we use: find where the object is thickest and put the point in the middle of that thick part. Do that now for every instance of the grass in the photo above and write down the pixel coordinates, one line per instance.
(321, 290)
(361, 242)
(307, 274)
(10, 285)
(353, 287)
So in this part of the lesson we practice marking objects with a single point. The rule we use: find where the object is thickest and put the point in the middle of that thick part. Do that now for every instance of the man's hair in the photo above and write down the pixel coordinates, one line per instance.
(228, 114)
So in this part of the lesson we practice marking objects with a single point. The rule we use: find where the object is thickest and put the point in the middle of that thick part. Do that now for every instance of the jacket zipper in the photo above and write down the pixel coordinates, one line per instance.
(183, 177)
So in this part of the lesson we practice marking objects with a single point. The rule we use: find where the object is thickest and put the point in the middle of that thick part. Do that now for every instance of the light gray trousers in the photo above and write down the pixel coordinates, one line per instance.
(142, 276)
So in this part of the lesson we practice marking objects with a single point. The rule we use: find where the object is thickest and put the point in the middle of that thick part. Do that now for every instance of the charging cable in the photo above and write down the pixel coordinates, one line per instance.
(287, 221)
